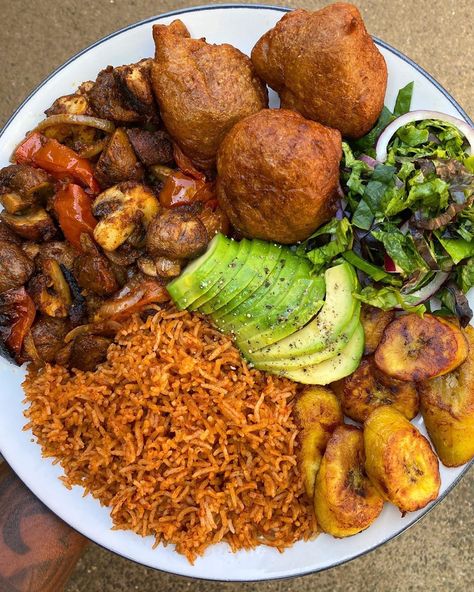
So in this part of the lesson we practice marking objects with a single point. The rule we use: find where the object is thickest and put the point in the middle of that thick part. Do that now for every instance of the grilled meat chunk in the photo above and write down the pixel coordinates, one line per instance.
(151, 147)
(118, 161)
(15, 267)
(48, 337)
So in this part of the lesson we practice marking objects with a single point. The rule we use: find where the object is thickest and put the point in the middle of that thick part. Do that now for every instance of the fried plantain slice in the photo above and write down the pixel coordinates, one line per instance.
(318, 413)
(374, 320)
(345, 501)
(447, 405)
(415, 348)
(368, 388)
(400, 460)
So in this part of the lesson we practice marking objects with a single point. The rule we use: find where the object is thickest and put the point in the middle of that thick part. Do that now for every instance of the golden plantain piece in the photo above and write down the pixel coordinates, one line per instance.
(345, 501)
(368, 388)
(400, 460)
(318, 413)
(415, 348)
(447, 405)
(374, 320)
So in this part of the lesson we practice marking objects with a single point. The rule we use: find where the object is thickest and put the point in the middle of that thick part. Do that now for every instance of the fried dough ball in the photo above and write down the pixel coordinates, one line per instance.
(278, 175)
(202, 90)
(325, 65)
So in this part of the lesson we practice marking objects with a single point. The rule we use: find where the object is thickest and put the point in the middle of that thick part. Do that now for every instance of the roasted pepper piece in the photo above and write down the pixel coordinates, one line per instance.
(74, 210)
(57, 159)
(17, 313)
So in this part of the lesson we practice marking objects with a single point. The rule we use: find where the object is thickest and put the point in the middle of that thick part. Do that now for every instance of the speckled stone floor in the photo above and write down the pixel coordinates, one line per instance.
(437, 554)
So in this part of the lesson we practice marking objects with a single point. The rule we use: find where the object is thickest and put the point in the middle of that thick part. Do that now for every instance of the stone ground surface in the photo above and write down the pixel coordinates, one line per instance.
(437, 554)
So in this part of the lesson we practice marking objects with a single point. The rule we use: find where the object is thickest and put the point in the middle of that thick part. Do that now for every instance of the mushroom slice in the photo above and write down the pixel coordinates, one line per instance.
(122, 208)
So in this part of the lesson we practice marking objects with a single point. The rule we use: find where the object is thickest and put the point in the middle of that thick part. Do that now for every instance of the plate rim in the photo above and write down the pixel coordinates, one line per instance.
(282, 9)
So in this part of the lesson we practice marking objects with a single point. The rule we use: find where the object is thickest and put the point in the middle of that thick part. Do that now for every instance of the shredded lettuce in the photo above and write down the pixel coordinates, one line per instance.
(388, 298)
(341, 237)
(400, 248)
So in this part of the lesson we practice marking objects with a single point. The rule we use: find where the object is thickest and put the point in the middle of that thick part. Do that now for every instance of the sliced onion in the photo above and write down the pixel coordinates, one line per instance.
(391, 129)
(428, 291)
(389, 265)
(71, 119)
(369, 161)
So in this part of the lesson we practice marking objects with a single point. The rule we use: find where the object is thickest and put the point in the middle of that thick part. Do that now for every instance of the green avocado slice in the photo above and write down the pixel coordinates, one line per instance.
(297, 362)
(262, 274)
(337, 367)
(301, 302)
(338, 310)
(200, 274)
(228, 272)
(273, 288)
(242, 275)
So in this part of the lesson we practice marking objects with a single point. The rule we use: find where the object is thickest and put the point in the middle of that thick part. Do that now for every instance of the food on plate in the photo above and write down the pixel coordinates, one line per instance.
(177, 261)
(275, 163)
(345, 500)
(121, 211)
(447, 405)
(202, 90)
(164, 422)
(284, 297)
(317, 413)
(368, 388)
(415, 348)
(374, 320)
(325, 65)
(399, 460)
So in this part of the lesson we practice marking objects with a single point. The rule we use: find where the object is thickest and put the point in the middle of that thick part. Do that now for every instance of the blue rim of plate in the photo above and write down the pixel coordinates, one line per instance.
(386, 46)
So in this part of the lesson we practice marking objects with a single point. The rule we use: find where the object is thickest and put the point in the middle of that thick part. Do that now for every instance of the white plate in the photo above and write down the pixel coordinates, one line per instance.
(241, 26)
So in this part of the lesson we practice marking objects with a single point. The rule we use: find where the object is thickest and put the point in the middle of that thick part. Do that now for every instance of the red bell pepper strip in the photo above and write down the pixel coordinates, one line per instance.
(180, 189)
(17, 313)
(74, 210)
(57, 159)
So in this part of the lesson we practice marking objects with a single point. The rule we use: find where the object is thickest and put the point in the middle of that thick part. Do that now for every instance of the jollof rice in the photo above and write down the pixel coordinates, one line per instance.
(178, 436)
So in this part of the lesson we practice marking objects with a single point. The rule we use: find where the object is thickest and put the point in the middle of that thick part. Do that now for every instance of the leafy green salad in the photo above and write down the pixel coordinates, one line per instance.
(405, 221)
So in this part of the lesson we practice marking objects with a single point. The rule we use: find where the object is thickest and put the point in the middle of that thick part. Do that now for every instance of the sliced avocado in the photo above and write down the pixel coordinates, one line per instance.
(297, 362)
(295, 268)
(338, 310)
(199, 275)
(300, 303)
(286, 267)
(337, 367)
(227, 273)
(242, 274)
(266, 268)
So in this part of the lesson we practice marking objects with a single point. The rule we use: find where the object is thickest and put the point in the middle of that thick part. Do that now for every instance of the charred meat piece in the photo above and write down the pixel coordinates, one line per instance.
(88, 351)
(75, 104)
(151, 147)
(124, 94)
(15, 267)
(48, 337)
(62, 252)
(35, 224)
(118, 161)
(6, 234)
(176, 234)
(135, 87)
(94, 273)
(22, 186)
